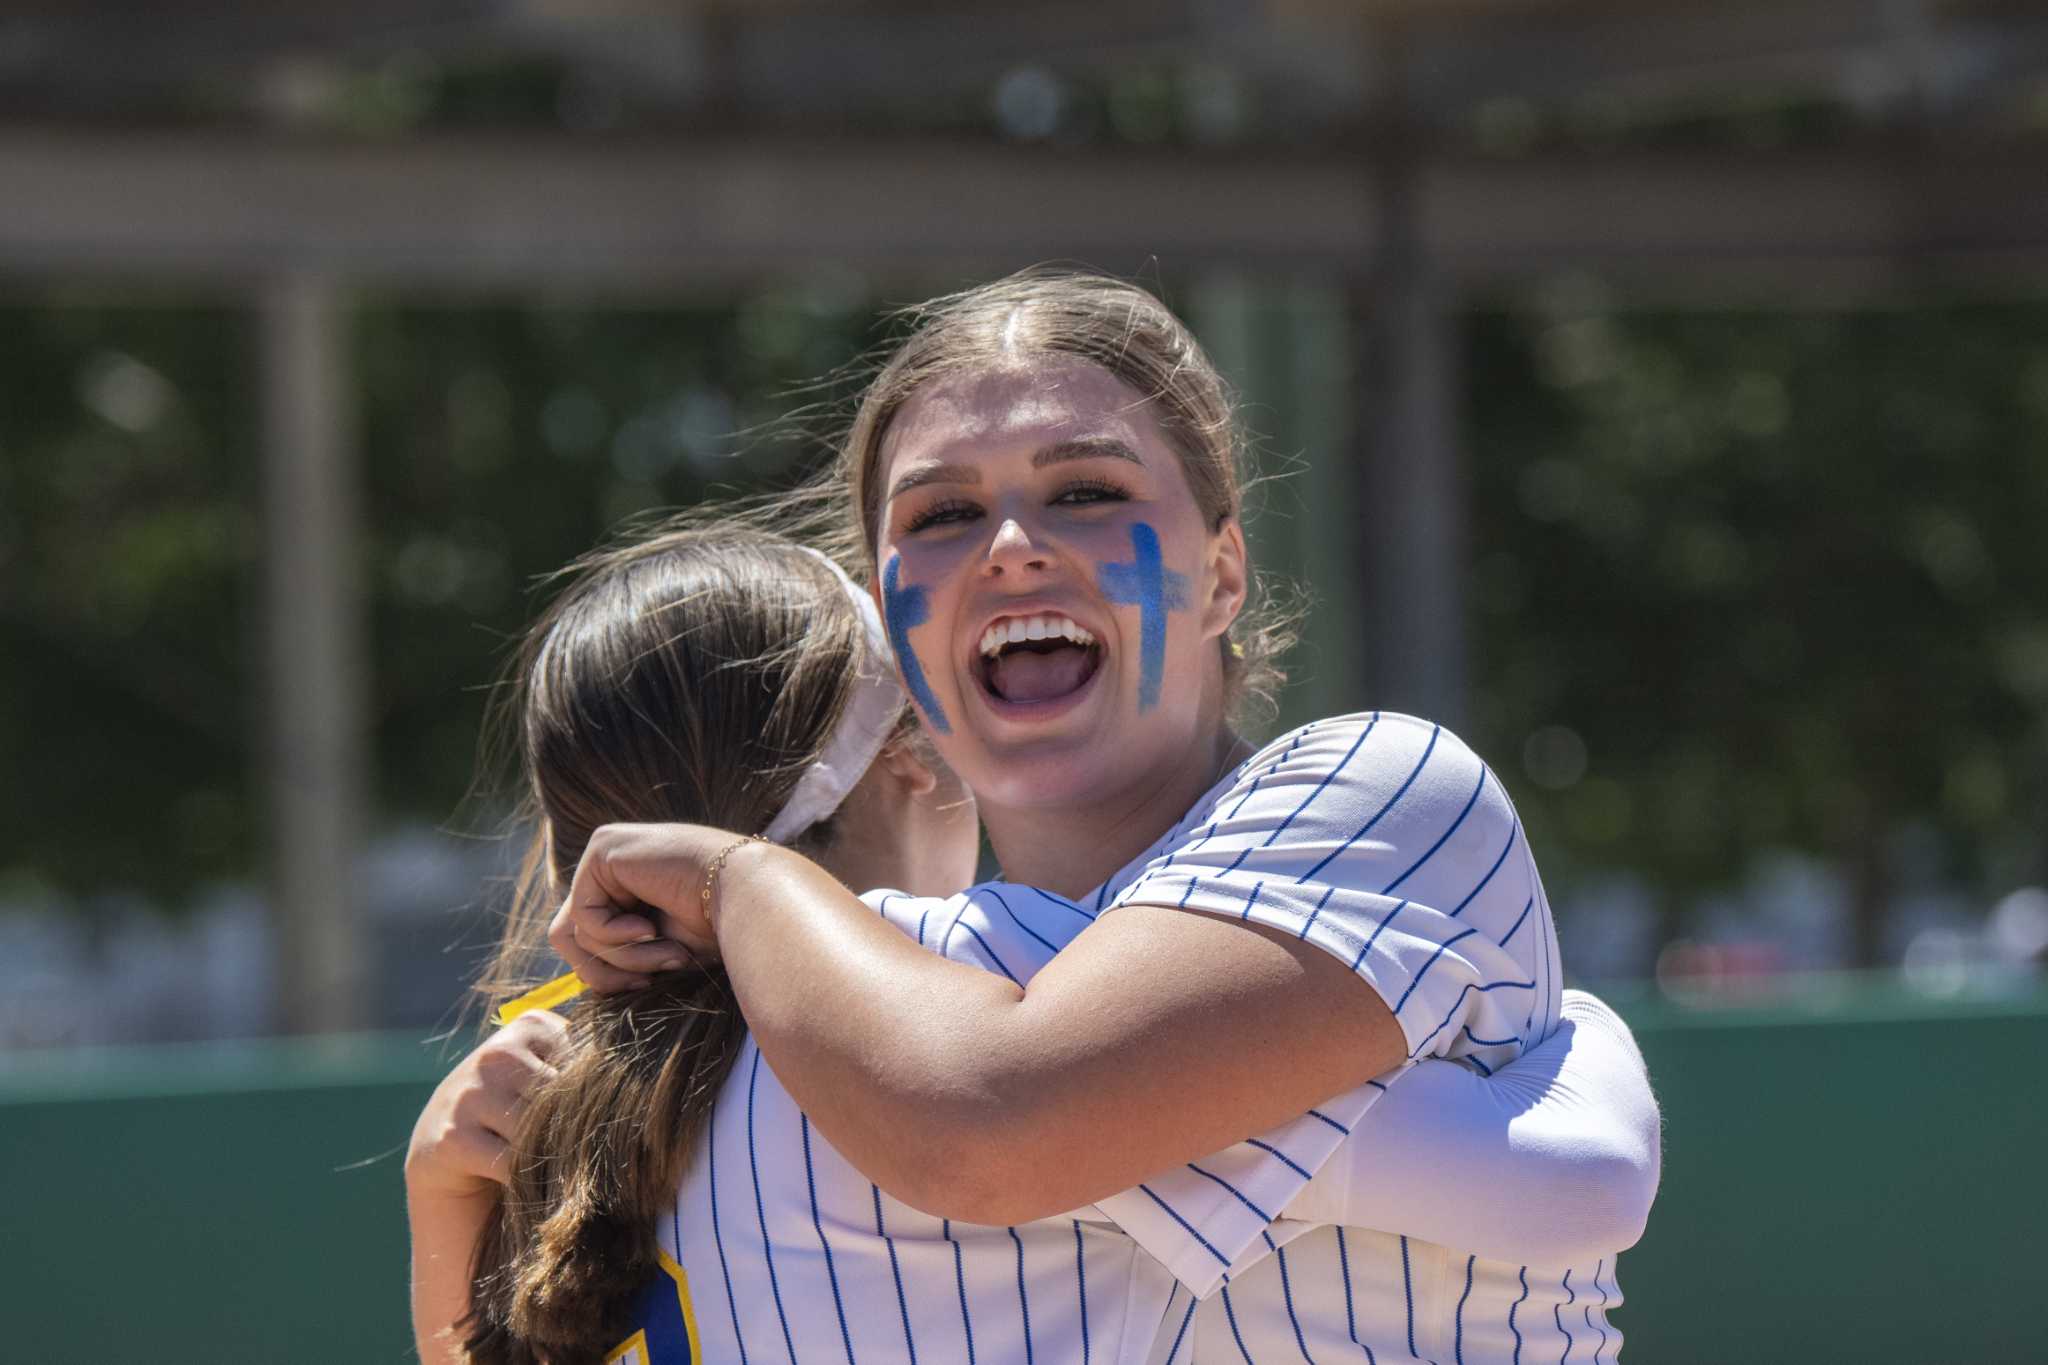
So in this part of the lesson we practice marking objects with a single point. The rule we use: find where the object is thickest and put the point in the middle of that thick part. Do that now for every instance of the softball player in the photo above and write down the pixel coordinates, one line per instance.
(1045, 476)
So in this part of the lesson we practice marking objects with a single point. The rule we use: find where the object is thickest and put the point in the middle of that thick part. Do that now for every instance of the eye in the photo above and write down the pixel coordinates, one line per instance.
(943, 513)
(1085, 492)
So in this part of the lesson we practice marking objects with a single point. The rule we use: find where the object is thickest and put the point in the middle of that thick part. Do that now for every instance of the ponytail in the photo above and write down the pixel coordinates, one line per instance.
(602, 1147)
(690, 676)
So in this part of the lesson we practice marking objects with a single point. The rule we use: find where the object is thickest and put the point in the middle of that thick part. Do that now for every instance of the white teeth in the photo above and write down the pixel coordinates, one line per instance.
(1017, 629)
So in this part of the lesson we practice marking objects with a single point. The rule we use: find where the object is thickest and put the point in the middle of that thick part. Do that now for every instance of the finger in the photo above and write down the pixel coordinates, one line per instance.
(478, 1151)
(497, 1112)
(598, 974)
(512, 1066)
(608, 926)
(545, 1033)
(644, 958)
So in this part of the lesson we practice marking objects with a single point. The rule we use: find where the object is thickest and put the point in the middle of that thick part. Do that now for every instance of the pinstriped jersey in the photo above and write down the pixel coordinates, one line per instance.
(1379, 838)
(1347, 1294)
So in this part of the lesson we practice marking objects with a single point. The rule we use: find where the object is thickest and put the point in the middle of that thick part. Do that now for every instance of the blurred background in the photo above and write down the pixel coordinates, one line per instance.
(1656, 393)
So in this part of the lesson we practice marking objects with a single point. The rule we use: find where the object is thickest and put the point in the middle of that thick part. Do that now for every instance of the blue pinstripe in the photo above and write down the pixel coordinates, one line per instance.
(1269, 770)
(1231, 1313)
(1278, 1156)
(1319, 1114)
(1081, 1286)
(1250, 792)
(1023, 1299)
(1061, 901)
(1511, 1315)
(1514, 830)
(1408, 1292)
(1252, 899)
(1328, 777)
(1445, 837)
(1458, 1340)
(1377, 930)
(1469, 988)
(1603, 1313)
(1049, 946)
(831, 1272)
(1221, 1259)
(1379, 815)
(761, 1212)
(718, 1238)
(1541, 1001)
(1484, 1069)
(1281, 828)
(896, 1271)
(1287, 1292)
(1350, 1315)
(1441, 949)
(945, 945)
(1235, 1192)
(1531, 905)
(1488, 1042)
(1185, 1319)
(1557, 1316)
(960, 1279)
(920, 924)
(1310, 922)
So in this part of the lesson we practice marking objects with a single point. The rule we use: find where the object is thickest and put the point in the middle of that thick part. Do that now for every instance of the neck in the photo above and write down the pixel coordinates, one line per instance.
(1074, 849)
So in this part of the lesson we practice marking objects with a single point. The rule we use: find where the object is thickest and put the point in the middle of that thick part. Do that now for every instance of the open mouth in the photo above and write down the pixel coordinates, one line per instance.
(1027, 660)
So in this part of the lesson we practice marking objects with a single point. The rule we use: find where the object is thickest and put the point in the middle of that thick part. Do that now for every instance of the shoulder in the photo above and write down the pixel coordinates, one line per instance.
(1366, 766)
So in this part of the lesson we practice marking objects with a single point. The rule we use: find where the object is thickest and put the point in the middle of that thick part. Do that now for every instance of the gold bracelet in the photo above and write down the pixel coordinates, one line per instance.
(711, 870)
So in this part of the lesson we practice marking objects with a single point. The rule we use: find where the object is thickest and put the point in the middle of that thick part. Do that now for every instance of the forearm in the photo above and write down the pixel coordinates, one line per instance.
(445, 1232)
(971, 1097)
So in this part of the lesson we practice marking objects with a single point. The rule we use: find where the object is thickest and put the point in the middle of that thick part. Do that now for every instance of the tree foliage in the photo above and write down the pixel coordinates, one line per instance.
(1750, 581)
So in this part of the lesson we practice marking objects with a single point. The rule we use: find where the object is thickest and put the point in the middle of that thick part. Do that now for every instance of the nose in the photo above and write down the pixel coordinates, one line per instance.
(1013, 551)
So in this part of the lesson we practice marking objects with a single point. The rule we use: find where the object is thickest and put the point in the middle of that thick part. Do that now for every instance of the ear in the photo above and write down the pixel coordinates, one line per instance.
(899, 759)
(1229, 570)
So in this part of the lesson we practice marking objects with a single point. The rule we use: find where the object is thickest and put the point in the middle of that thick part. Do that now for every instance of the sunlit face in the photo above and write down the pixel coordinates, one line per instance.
(1052, 590)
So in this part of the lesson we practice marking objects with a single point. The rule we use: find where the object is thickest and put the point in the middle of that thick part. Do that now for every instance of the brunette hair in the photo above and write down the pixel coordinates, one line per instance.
(1047, 313)
(690, 675)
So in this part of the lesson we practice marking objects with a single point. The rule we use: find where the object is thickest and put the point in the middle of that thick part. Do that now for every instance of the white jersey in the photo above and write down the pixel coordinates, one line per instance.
(1458, 1162)
(1379, 838)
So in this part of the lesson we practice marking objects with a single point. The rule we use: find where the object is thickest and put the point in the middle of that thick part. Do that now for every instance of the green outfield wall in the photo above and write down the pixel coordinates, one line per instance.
(1858, 1177)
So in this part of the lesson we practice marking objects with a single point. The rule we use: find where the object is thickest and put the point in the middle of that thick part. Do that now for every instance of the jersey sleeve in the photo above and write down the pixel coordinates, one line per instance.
(1386, 842)
(1554, 1160)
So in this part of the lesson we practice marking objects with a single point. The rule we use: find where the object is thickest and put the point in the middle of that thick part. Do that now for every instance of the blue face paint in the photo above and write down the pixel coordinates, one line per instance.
(903, 608)
(1154, 590)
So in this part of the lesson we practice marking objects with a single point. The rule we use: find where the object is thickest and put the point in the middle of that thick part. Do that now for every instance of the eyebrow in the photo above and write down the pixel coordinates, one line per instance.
(1060, 452)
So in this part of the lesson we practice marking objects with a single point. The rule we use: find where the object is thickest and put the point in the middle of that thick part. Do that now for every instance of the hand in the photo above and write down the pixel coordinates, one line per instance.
(462, 1145)
(636, 906)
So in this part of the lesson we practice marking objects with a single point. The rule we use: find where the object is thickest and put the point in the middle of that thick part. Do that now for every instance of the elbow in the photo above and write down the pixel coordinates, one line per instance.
(1609, 1194)
(1617, 1203)
(983, 1170)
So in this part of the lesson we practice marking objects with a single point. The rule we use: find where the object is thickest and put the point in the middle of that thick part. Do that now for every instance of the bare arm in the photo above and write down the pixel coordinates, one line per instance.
(967, 1095)
(1277, 958)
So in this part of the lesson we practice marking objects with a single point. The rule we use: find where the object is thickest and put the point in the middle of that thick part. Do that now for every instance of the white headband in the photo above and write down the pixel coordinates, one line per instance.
(872, 709)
